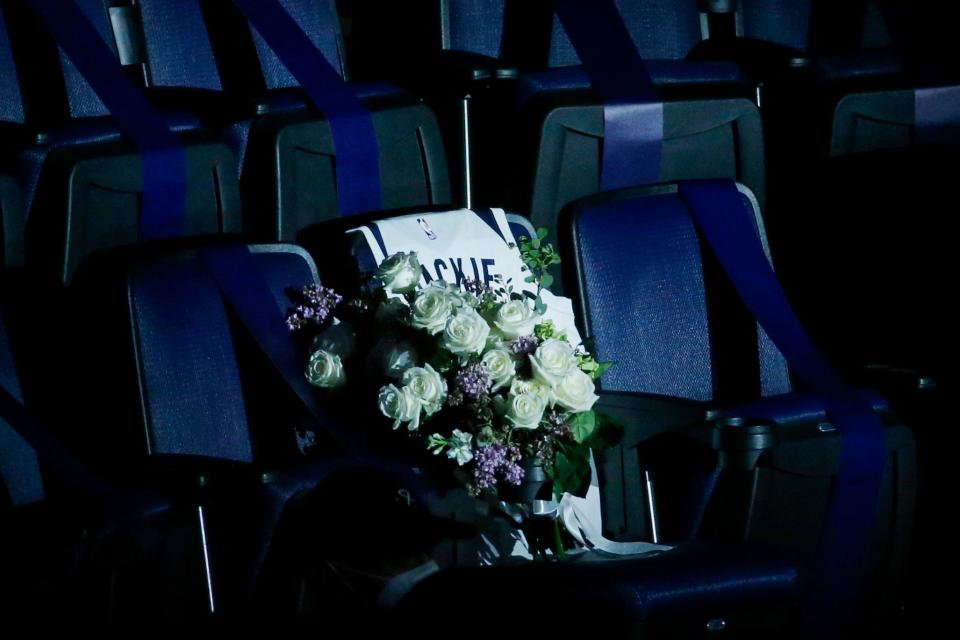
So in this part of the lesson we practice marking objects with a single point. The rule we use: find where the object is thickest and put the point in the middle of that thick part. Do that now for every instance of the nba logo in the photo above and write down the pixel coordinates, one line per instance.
(431, 234)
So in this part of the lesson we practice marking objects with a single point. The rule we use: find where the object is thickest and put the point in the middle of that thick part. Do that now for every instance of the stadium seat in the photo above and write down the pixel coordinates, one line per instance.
(287, 171)
(81, 185)
(653, 302)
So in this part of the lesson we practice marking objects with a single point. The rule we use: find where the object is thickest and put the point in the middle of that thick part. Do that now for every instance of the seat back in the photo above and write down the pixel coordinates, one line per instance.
(661, 30)
(321, 22)
(178, 49)
(720, 138)
(784, 22)
(189, 378)
(81, 98)
(11, 102)
(475, 26)
(20, 479)
(638, 277)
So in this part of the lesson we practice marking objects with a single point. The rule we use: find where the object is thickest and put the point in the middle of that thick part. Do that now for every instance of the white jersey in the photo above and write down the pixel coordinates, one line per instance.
(465, 244)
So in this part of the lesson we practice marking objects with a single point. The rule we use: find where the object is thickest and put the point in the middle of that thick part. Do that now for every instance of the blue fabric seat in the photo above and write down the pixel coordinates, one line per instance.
(706, 109)
(664, 32)
(280, 137)
(657, 305)
(679, 591)
(12, 128)
(79, 181)
(211, 401)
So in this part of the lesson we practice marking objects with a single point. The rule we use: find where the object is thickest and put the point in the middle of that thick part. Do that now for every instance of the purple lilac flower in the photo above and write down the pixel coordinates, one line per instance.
(317, 304)
(524, 346)
(558, 430)
(473, 381)
(476, 287)
(497, 461)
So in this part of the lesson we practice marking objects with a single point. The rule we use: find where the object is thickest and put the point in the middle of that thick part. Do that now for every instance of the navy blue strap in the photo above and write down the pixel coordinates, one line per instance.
(354, 137)
(163, 160)
(48, 448)
(246, 291)
(728, 226)
(632, 111)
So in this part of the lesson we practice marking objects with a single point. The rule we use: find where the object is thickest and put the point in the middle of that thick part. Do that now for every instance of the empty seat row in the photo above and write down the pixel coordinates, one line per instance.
(254, 123)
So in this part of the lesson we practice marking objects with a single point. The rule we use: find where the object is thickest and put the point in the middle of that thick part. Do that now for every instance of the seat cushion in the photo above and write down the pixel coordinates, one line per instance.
(685, 586)
(664, 73)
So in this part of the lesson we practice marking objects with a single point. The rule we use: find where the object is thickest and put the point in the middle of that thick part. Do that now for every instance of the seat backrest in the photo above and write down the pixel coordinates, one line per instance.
(20, 477)
(637, 275)
(178, 49)
(321, 22)
(190, 384)
(81, 97)
(702, 139)
(475, 26)
(11, 102)
(661, 30)
(785, 22)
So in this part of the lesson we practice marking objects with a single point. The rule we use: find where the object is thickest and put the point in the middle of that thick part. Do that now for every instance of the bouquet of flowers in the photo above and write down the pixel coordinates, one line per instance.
(476, 374)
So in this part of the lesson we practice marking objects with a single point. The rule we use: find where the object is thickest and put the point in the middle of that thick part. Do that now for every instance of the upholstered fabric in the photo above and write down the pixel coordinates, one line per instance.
(319, 20)
(643, 287)
(11, 103)
(19, 467)
(661, 30)
(178, 48)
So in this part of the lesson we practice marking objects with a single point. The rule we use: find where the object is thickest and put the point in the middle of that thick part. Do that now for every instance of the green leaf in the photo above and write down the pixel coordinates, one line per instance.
(530, 279)
(539, 306)
(583, 425)
(609, 433)
(601, 369)
(546, 281)
(542, 233)
(572, 472)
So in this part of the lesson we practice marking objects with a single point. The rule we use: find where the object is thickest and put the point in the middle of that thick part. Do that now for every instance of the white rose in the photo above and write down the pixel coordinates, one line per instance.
(576, 392)
(428, 386)
(524, 411)
(433, 307)
(399, 273)
(501, 366)
(401, 405)
(515, 319)
(552, 362)
(466, 332)
(535, 387)
(324, 369)
(391, 357)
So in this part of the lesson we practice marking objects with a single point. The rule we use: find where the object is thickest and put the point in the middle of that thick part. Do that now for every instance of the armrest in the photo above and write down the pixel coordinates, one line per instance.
(645, 415)
(457, 72)
(194, 479)
(897, 380)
